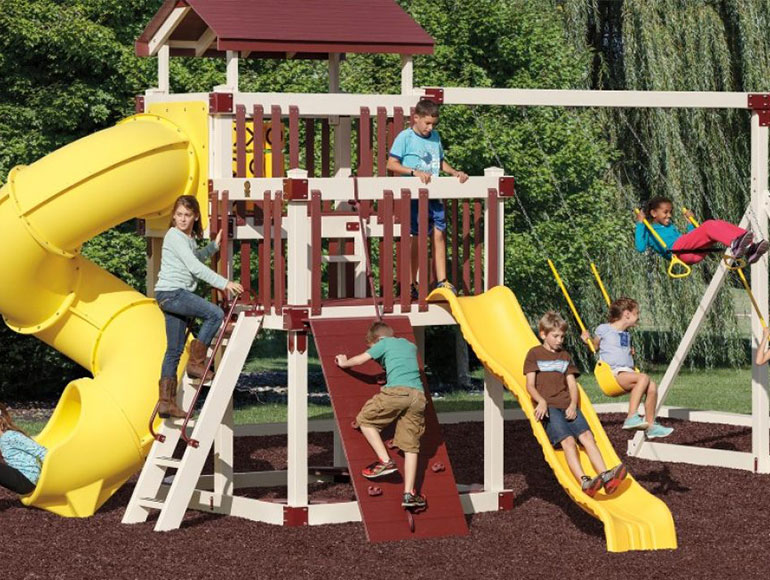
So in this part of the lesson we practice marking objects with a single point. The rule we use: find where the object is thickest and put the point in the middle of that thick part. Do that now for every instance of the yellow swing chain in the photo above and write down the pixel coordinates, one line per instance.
(676, 267)
(571, 304)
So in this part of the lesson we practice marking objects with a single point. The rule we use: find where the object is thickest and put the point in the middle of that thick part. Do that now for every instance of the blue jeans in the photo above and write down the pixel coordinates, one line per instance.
(177, 307)
(558, 427)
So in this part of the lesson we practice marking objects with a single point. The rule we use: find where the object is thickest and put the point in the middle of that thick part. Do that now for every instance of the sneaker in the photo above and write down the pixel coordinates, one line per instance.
(741, 245)
(756, 251)
(413, 500)
(448, 285)
(379, 469)
(612, 478)
(591, 486)
(635, 423)
(414, 293)
(658, 431)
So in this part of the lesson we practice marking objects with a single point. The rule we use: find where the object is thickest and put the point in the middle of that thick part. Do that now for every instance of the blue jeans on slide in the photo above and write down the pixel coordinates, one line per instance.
(177, 307)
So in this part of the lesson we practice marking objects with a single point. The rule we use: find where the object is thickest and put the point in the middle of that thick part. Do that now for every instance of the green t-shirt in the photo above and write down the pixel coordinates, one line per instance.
(398, 357)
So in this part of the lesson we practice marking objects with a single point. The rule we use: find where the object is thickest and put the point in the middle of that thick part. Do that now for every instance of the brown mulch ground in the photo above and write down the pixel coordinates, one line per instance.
(722, 518)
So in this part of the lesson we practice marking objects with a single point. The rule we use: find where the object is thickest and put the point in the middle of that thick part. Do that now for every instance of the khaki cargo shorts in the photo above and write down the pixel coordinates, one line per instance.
(402, 404)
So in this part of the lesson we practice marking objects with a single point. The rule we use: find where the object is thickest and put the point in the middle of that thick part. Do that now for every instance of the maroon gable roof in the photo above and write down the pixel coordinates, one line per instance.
(299, 27)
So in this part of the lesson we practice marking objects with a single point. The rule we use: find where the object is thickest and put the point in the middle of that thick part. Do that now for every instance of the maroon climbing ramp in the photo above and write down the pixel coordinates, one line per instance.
(380, 499)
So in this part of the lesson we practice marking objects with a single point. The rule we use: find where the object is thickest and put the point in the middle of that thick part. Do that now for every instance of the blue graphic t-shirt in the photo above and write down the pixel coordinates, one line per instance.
(418, 152)
(615, 346)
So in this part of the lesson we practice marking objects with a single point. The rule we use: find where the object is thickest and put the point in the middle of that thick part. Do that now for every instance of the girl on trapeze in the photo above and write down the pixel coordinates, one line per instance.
(692, 246)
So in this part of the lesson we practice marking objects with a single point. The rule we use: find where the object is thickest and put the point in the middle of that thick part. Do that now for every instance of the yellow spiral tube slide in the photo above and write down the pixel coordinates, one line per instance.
(98, 434)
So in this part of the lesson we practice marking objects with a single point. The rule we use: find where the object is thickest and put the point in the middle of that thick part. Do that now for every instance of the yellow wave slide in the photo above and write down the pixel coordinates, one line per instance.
(495, 326)
(98, 434)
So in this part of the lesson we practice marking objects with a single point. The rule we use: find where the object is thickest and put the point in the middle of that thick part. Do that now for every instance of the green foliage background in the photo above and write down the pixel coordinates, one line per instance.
(68, 69)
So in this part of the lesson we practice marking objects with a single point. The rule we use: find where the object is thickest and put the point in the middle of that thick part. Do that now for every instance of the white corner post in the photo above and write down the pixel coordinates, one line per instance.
(760, 408)
(407, 74)
(164, 68)
(297, 292)
(341, 124)
(232, 70)
(494, 450)
(220, 166)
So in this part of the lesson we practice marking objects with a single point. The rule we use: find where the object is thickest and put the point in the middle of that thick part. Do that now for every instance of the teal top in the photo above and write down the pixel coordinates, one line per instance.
(398, 357)
(669, 234)
(417, 152)
(23, 454)
(181, 265)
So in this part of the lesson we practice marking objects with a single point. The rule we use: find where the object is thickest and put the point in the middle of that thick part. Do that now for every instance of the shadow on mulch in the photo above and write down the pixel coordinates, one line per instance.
(721, 516)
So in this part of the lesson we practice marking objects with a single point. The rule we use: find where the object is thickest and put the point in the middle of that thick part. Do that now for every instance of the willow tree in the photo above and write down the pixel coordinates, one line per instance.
(697, 157)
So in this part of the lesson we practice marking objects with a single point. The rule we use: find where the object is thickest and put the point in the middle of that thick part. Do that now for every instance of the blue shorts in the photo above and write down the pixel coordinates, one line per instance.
(558, 428)
(436, 216)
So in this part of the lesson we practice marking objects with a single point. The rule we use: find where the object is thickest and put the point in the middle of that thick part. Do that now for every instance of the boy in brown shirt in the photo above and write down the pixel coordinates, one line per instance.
(551, 384)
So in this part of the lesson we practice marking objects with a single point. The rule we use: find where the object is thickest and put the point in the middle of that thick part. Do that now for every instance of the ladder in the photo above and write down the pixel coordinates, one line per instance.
(149, 491)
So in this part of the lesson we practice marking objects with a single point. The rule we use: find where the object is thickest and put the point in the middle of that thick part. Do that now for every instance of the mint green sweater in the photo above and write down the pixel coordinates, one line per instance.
(181, 265)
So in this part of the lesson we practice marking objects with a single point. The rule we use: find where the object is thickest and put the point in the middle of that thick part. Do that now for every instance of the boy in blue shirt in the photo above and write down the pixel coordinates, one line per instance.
(417, 152)
(401, 399)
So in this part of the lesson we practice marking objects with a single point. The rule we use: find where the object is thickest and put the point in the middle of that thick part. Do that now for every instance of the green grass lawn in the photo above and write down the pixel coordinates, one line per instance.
(717, 389)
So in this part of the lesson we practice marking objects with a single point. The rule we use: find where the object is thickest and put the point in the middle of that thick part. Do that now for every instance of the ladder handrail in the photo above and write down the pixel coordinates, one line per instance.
(209, 363)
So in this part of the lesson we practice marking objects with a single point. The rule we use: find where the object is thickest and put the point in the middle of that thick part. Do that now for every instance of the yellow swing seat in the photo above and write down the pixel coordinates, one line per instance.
(607, 381)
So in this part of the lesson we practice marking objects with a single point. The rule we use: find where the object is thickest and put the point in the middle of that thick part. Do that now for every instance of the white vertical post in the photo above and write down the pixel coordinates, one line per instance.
(163, 68)
(232, 70)
(419, 337)
(493, 433)
(407, 74)
(224, 454)
(221, 166)
(493, 389)
(494, 172)
(339, 452)
(360, 282)
(760, 408)
(298, 293)
(334, 72)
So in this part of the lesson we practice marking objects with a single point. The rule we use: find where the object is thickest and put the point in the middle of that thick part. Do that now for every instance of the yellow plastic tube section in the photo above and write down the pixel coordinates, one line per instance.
(98, 435)
(500, 335)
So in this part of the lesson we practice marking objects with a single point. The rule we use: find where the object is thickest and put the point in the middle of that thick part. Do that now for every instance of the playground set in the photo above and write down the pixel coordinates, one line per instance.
(311, 228)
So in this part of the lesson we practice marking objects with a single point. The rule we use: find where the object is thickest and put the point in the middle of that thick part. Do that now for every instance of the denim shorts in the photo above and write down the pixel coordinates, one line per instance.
(436, 216)
(558, 428)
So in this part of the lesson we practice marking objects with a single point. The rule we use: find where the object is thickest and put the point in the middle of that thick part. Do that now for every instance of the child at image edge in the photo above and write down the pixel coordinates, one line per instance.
(417, 151)
(551, 384)
(613, 341)
(401, 399)
(23, 456)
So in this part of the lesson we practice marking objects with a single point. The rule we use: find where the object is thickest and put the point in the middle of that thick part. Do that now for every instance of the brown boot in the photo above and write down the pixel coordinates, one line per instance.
(167, 395)
(197, 361)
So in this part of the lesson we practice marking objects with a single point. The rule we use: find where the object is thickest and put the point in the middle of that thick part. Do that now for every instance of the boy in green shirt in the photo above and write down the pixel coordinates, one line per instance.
(401, 399)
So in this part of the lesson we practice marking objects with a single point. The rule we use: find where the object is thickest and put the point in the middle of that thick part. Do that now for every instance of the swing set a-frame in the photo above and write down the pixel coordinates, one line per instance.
(756, 216)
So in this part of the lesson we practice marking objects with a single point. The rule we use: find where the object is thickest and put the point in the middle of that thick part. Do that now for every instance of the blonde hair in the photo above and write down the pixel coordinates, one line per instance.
(621, 305)
(377, 330)
(551, 321)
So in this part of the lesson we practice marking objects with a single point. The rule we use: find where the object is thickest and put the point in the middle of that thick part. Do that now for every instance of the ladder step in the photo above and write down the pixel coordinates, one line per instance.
(180, 422)
(167, 462)
(151, 502)
(350, 258)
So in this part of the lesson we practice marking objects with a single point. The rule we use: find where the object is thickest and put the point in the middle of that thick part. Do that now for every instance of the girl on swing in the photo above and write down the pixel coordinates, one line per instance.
(689, 247)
